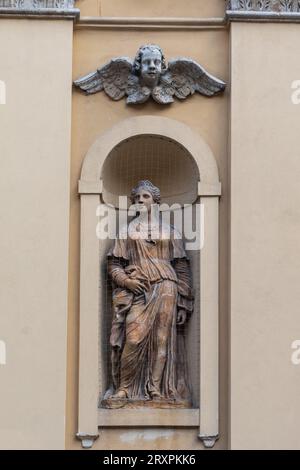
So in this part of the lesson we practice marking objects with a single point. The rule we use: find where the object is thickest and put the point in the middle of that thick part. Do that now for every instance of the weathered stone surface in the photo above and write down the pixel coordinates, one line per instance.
(37, 4)
(149, 75)
(278, 6)
(152, 302)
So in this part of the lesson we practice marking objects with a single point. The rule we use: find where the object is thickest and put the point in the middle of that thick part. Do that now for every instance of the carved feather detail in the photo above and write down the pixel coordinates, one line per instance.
(181, 78)
(112, 77)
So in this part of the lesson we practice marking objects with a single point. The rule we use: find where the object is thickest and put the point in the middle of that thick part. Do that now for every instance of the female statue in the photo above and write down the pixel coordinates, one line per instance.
(152, 300)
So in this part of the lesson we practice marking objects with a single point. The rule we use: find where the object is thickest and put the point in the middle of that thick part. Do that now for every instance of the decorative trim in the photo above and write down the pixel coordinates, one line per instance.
(87, 440)
(208, 441)
(278, 6)
(263, 10)
(150, 23)
(209, 324)
(37, 4)
(57, 9)
(150, 125)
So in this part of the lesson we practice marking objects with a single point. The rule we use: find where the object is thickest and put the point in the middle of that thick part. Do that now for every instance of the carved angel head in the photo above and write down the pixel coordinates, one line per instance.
(148, 75)
(149, 64)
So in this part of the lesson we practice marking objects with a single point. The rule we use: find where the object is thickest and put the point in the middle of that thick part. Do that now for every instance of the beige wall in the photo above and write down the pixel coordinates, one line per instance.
(153, 8)
(265, 243)
(39, 388)
(95, 114)
(35, 61)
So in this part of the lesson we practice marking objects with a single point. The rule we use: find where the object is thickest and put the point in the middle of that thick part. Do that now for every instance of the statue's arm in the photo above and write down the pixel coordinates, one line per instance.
(116, 271)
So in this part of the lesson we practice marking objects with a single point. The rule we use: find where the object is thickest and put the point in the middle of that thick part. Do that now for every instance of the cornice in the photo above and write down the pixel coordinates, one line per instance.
(150, 23)
(55, 9)
(263, 10)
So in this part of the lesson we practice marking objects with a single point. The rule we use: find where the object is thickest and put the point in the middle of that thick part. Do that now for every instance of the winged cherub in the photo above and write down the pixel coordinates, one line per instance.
(150, 75)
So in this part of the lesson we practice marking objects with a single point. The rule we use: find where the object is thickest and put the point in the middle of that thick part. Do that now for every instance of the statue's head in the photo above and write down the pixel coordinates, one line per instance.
(145, 194)
(149, 64)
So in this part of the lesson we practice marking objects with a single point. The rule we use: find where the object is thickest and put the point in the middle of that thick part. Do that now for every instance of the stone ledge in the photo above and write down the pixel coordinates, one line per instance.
(149, 417)
(262, 6)
(49, 9)
(38, 4)
(263, 10)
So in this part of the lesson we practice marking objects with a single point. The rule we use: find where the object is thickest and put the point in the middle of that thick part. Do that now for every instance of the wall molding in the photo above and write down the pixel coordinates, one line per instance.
(263, 10)
(236, 10)
(144, 23)
(279, 6)
(55, 9)
(37, 4)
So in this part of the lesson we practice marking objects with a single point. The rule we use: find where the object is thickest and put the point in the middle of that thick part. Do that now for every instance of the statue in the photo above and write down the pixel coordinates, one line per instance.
(152, 301)
(149, 75)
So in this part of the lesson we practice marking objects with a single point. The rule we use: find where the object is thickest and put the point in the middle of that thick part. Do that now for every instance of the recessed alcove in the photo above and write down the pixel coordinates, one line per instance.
(178, 160)
(156, 158)
(169, 166)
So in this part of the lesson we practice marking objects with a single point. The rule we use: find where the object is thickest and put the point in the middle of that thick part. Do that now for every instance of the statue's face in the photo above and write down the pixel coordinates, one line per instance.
(144, 199)
(151, 65)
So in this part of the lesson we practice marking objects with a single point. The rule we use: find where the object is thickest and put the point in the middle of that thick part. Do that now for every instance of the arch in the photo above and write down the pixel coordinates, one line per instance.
(90, 181)
(91, 370)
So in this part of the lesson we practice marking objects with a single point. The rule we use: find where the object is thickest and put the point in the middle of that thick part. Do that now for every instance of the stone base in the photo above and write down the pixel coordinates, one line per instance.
(114, 403)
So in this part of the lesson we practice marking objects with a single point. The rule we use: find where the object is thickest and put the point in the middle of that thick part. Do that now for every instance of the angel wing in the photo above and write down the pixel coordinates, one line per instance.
(183, 78)
(112, 78)
(136, 93)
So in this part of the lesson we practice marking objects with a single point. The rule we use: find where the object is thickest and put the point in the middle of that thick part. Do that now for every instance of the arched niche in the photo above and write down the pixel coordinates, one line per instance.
(183, 166)
(172, 168)
(159, 159)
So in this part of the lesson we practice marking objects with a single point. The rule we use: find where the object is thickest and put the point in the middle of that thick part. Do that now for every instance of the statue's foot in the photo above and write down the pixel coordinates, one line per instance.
(156, 395)
(120, 395)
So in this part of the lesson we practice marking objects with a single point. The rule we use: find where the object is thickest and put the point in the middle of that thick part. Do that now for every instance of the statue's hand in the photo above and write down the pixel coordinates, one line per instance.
(135, 286)
(181, 317)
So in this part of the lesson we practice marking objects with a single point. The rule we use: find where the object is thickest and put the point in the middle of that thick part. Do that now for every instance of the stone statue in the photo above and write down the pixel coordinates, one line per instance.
(149, 75)
(152, 301)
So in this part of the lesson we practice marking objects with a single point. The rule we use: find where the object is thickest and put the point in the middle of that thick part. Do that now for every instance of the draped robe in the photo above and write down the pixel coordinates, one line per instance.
(139, 365)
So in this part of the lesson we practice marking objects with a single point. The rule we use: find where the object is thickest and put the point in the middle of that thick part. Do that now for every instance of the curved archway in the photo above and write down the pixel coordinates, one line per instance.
(176, 131)
(161, 160)
(91, 374)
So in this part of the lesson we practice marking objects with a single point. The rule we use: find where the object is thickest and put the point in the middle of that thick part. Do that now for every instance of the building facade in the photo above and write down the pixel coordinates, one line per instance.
(55, 145)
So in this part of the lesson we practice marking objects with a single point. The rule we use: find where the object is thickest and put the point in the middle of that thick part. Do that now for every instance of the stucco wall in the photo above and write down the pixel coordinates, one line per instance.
(265, 244)
(95, 114)
(36, 63)
(259, 263)
(153, 8)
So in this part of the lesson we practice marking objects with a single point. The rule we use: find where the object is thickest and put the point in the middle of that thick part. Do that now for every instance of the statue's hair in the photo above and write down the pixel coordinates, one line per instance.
(138, 57)
(147, 186)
